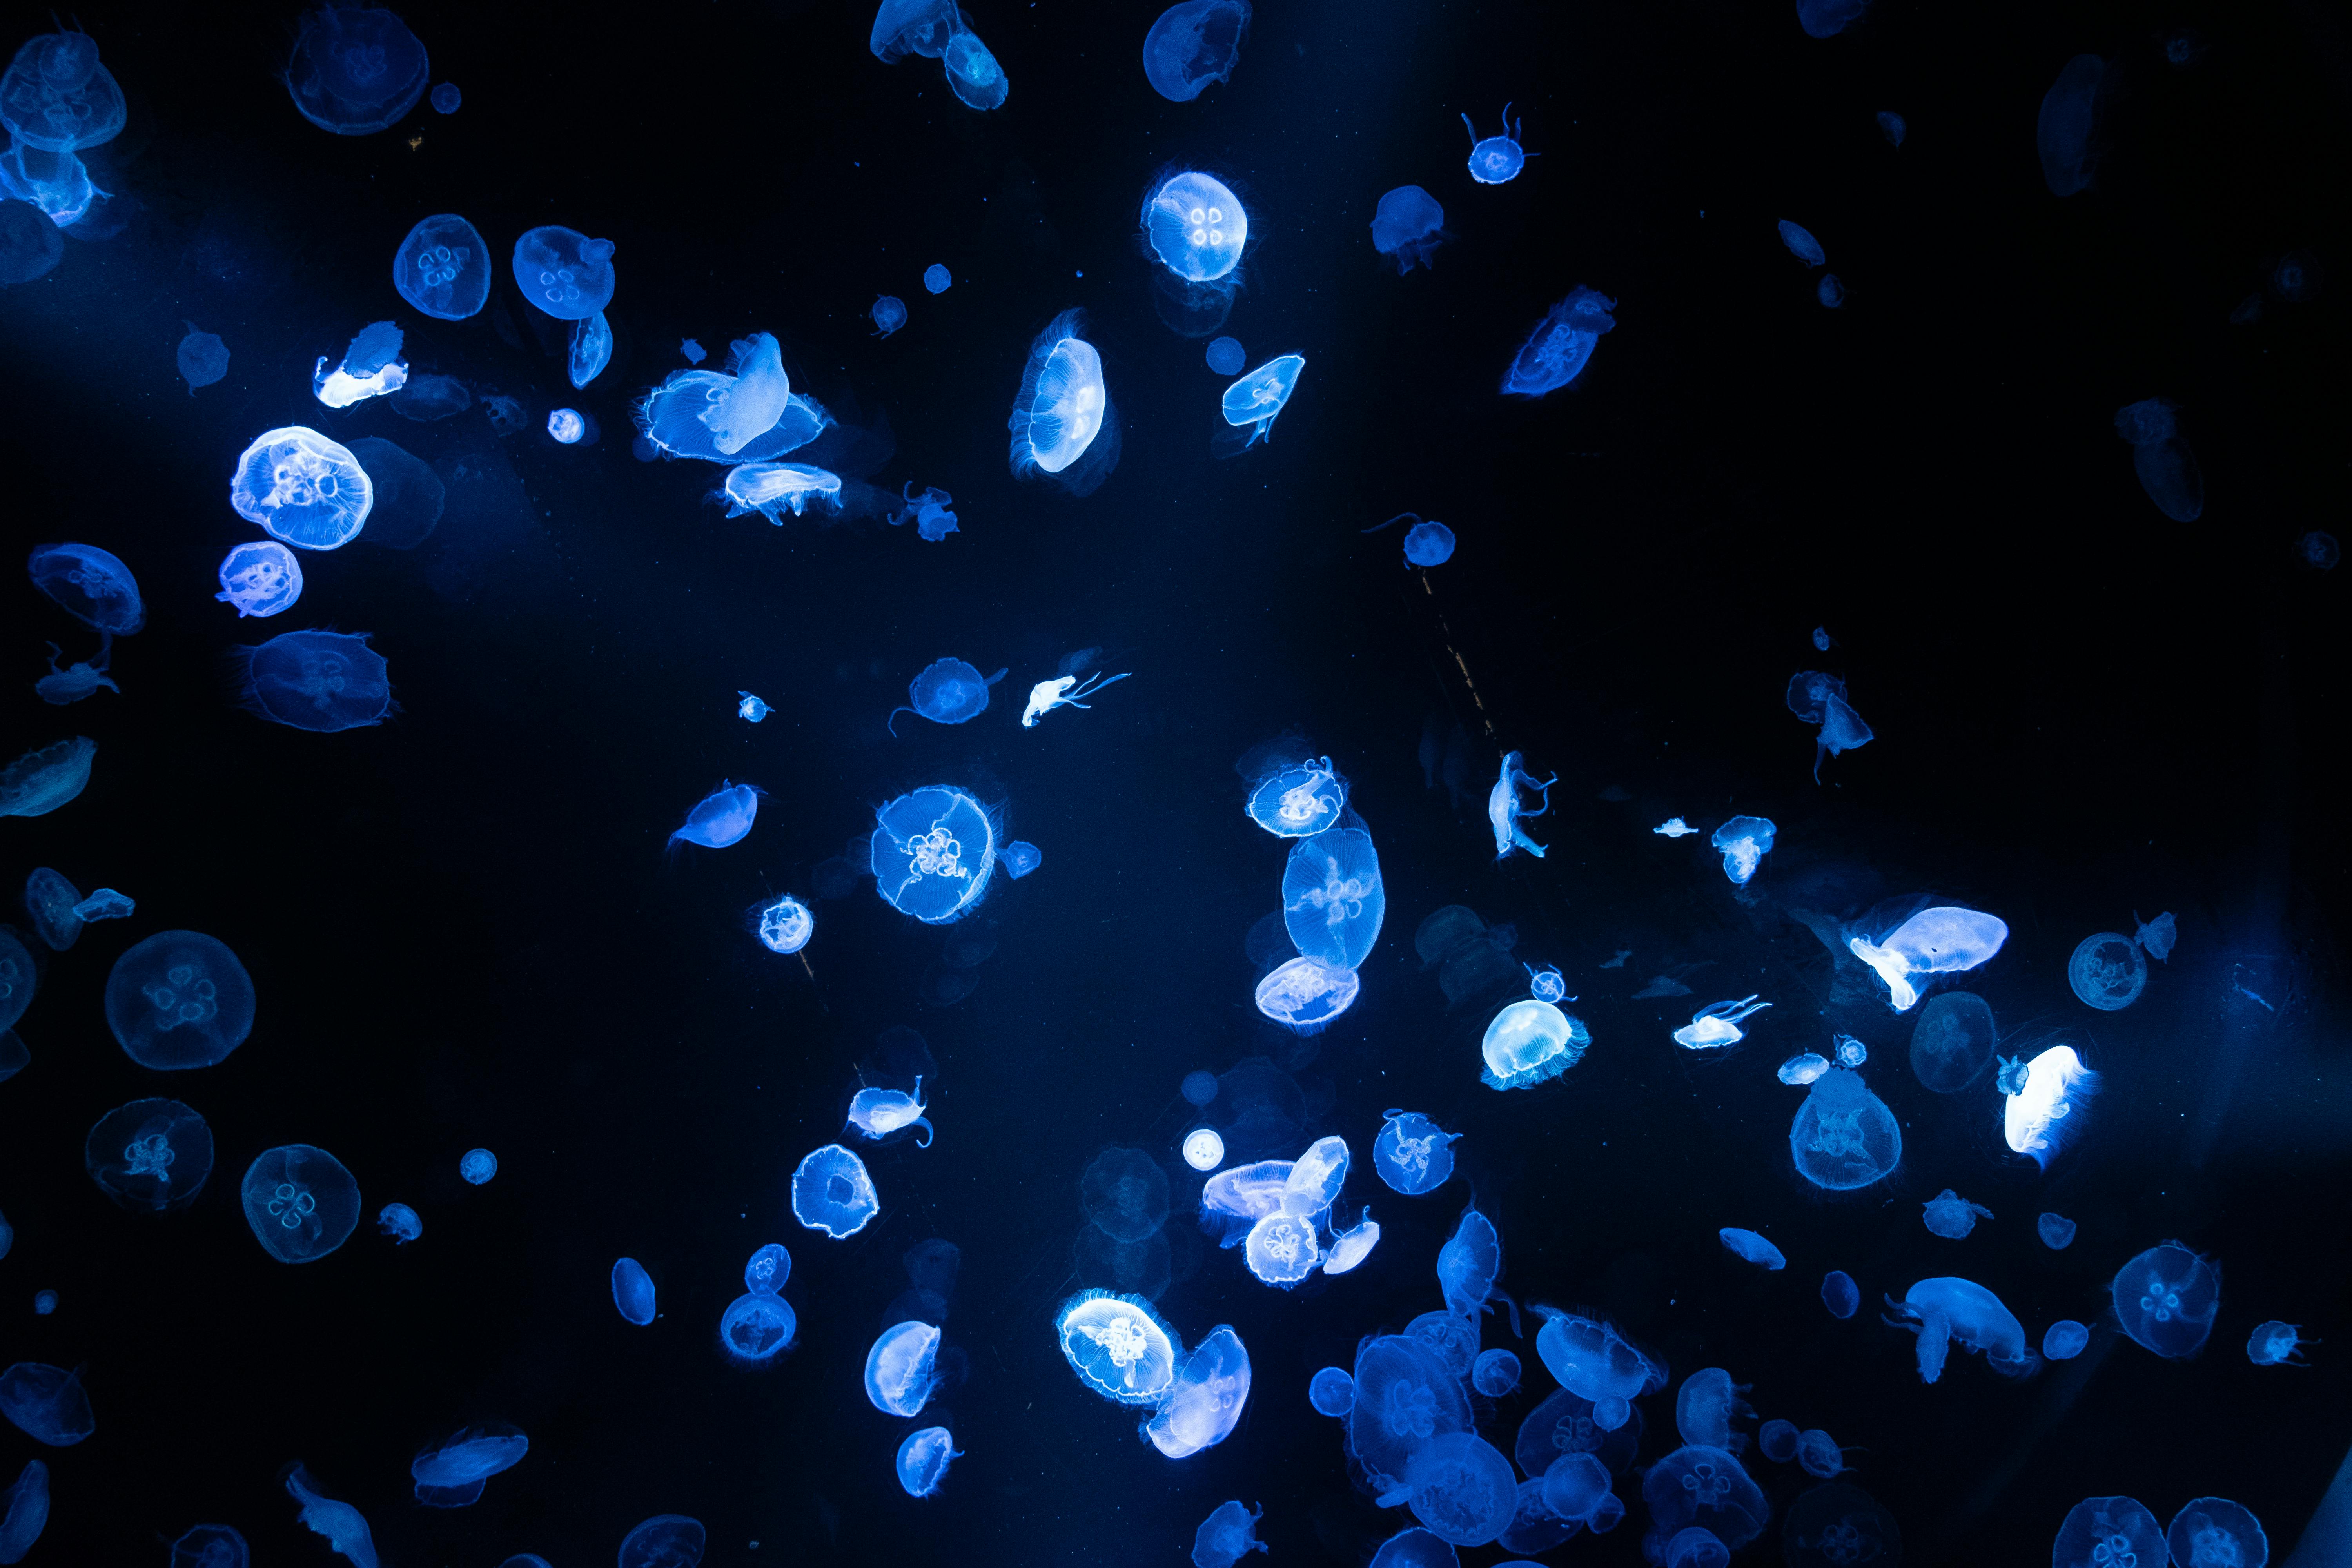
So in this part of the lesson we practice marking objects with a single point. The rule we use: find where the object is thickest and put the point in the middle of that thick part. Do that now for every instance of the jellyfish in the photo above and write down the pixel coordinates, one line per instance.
(1206, 1402)
(900, 1368)
(356, 69)
(2039, 1119)
(451, 1476)
(2155, 937)
(1829, 291)
(1941, 939)
(90, 585)
(29, 242)
(429, 397)
(774, 488)
(2064, 1340)
(832, 1193)
(151, 1154)
(786, 924)
(77, 681)
(1850, 1052)
(1717, 1024)
(1257, 399)
(1196, 226)
(49, 898)
(44, 1303)
(105, 904)
(1425, 544)
(476, 1167)
(2214, 1532)
(1306, 994)
(2166, 1298)
(1021, 858)
(934, 850)
(1281, 1249)
(1801, 244)
(178, 999)
(1332, 1392)
(878, 1112)
(1504, 811)
(1496, 160)
(318, 680)
(2065, 132)
(1950, 1214)
(923, 1460)
(2275, 1343)
(1745, 841)
(1118, 1346)
(1245, 1192)
(209, 1546)
(889, 314)
(1844, 1136)
(1675, 827)
(57, 96)
(301, 1202)
(1062, 423)
(59, 184)
(47, 1403)
(1468, 1264)
(1332, 898)
(2102, 1530)
(633, 1291)
(665, 1541)
(1204, 1149)
(1413, 1154)
(2056, 1231)
(1314, 1179)
(260, 577)
(975, 78)
(339, 1522)
(1817, 1452)
(1800, 1070)
(1704, 1486)
(1827, 18)
(1454, 1338)
(1225, 356)
(401, 1222)
(1753, 1248)
(1352, 1246)
(1408, 225)
(370, 368)
(565, 274)
(1840, 1294)
(1063, 691)
(2107, 970)
(1556, 351)
(671, 419)
(45, 777)
(566, 426)
(202, 357)
(1192, 44)
(1952, 1044)
(1415, 1548)
(301, 488)
(2319, 550)
(1591, 1360)
(757, 399)
(1945, 1311)
(1817, 698)
(912, 26)
(1406, 1396)
(2166, 469)
(1531, 1042)
(929, 512)
(721, 818)
(1460, 1486)
(1299, 800)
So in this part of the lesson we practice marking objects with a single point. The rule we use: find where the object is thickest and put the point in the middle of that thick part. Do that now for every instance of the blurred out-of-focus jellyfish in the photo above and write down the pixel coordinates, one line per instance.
(1804, 1069)
(1717, 1024)
(2055, 1230)
(1591, 1360)
(1225, 356)
(1021, 858)
(1306, 994)
(691, 350)
(1945, 1311)
(2156, 937)
(923, 1460)
(2317, 550)
(1468, 1264)
(446, 97)
(900, 1368)
(1495, 1373)
(356, 69)
(57, 96)
(1281, 1249)
(564, 272)
(2275, 1343)
(1696, 1546)
(1064, 691)
(1408, 225)
(401, 1222)
(1556, 351)
(1528, 1042)
(2108, 1533)
(1118, 1346)
(178, 999)
(566, 426)
(1460, 1486)
(105, 904)
(1196, 226)
(1452, 1337)
(902, 27)
(1063, 423)
(1704, 1486)
(750, 709)
(202, 357)
(59, 184)
(1950, 1214)
(773, 490)
(1505, 813)
(1405, 1395)
(476, 1167)
(371, 367)
(301, 1202)
(832, 1193)
(936, 280)
(1332, 1392)
(1332, 902)
(1819, 698)
(1840, 1294)
(1829, 291)
(451, 1476)
(90, 585)
(302, 488)
(929, 512)
(2166, 469)
(975, 78)
(1228, 1534)
(345, 1529)
(1298, 799)
(2045, 1095)
(75, 682)
(1753, 1248)
(44, 1303)
(889, 314)
(1496, 160)
(1952, 1044)
(2065, 132)
(1706, 1405)
(933, 850)
(1745, 841)
(1839, 1525)
(1415, 1548)
(671, 419)
(633, 1291)
(2064, 1340)
(1205, 1403)
(1352, 1246)
(786, 925)
(49, 898)
(317, 681)
(1817, 1452)
(46, 1403)
(2107, 970)
(1675, 827)
(721, 818)
(1844, 1136)
(1827, 18)
(1801, 244)
(1943, 939)
(1892, 126)
(2214, 1532)
(260, 577)
(29, 242)
(151, 1154)
(1413, 1153)
(210, 1546)
(2166, 1298)
(878, 1112)
(1192, 44)
(1204, 1149)
(1850, 1052)
(1258, 398)
(45, 777)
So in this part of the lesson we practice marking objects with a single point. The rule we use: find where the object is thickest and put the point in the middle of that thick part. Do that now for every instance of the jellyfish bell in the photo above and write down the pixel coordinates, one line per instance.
(1946, 1311)
(1413, 1154)
(1306, 994)
(1528, 1042)
(1063, 423)
(1718, 1025)
(774, 488)
(1254, 402)
(900, 1368)
(1408, 225)
(1196, 226)
(2042, 1114)
(1496, 160)
(1204, 1403)
(832, 1192)
(1352, 1246)
(948, 691)
(878, 1112)
(1505, 812)
(1299, 800)
(1557, 351)
(1943, 938)
(1282, 1249)
(1204, 1149)
(301, 488)
(933, 851)
(1118, 1346)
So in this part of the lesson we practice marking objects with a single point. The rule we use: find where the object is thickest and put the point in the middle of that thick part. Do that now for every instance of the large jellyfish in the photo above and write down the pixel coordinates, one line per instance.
(56, 97)
(1118, 1346)
(832, 1193)
(1591, 1360)
(317, 681)
(1703, 1486)
(1844, 1136)
(1941, 939)
(151, 1154)
(1556, 351)
(671, 419)
(1295, 799)
(2166, 1298)
(1307, 994)
(1062, 423)
(345, 1529)
(2066, 130)
(1945, 1311)
(1331, 898)
(2166, 469)
(1706, 1405)
(1192, 44)
(1417, 1548)
(1201, 1410)
(356, 69)
(900, 1368)
(371, 367)
(1408, 225)
(260, 577)
(773, 490)
(300, 1200)
(1229, 1533)
(46, 1403)
(1460, 1486)
(301, 488)
(90, 585)
(2039, 1118)
(178, 999)
(1817, 698)
(1254, 401)
(923, 1460)
(451, 1474)
(1504, 812)
(949, 691)
(933, 850)
(2109, 1532)
(1496, 160)
(564, 272)
(1952, 1044)
(878, 1112)
(46, 777)
(1528, 1042)
(1413, 1153)
(1744, 841)
(1405, 1396)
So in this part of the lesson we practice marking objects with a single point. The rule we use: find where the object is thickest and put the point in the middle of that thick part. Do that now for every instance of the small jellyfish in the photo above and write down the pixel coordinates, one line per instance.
(878, 1112)
(49, 898)
(2167, 471)
(721, 818)
(1299, 799)
(1413, 1154)
(1844, 1136)
(2041, 1115)
(2066, 132)
(1893, 126)
(900, 1368)
(1225, 356)
(923, 1460)
(786, 925)
(1505, 812)
(1428, 544)
(832, 1193)
(76, 682)
(301, 488)
(1118, 1346)
(1545, 984)
(1021, 858)
(1556, 351)
(477, 1167)
(1950, 1214)
(1495, 1373)
(566, 426)
(1228, 1534)
(1777, 1439)
(756, 1328)
(2056, 1231)
(1062, 423)
(2275, 1343)
(1803, 1069)
(1306, 994)
(202, 357)
(928, 512)
(563, 272)
(90, 585)
(2214, 1532)
(1675, 827)
(889, 314)
(1850, 1052)
(446, 97)
(1717, 1024)
(2107, 970)
(2156, 937)
(1257, 399)
(2166, 1298)
(44, 1303)
(1945, 1311)
(1819, 698)
(399, 1222)
(774, 488)
(1063, 691)
(46, 1403)
(260, 577)
(1332, 1392)
(1204, 1150)
(691, 350)
(1753, 1248)
(1817, 1452)
(2064, 1340)
(178, 999)
(301, 1202)
(1829, 291)
(1192, 45)
(1827, 18)
(1745, 841)
(210, 1546)
(343, 1526)
(151, 1154)
(46, 777)
(936, 279)
(1705, 1407)
(1801, 244)
(1528, 1042)
(932, 852)
(1408, 225)
(1942, 940)
(1840, 1294)
(451, 1476)
(1352, 1246)
(633, 1291)
(1282, 1249)
(1496, 160)
(442, 268)
(665, 1541)
(318, 680)
(356, 69)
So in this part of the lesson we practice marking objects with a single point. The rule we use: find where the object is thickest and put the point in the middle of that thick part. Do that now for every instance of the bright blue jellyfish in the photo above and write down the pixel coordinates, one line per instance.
(1460, 1486)
(936, 280)
(2045, 1099)
(1225, 356)
(1413, 1153)
(476, 1167)
(371, 366)
(302, 488)
(1545, 984)
(1827, 18)
(933, 850)
(1745, 841)
(2107, 970)
(1192, 44)
(949, 691)
(1118, 1346)
(1204, 1149)
(564, 272)
(1753, 1248)
(46, 1403)
(356, 69)
(2156, 937)
(451, 1476)
(1556, 351)
(446, 97)
(1021, 858)
(1706, 1405)
(1943, 939)
(1306, 994)
(1504, 812)
(755, 399)
(317, 681)
(786, 925)
(77, 680)
(1258, 398)
(442, 269)
(673, 418)
(56, 97)
(151, 1154)
(1591, 1360)
(301, 1202)
(1228, 1534)
(29, 242)
(1282, 1249)
(1332, 1392)
(260, 577)
(566, 426)
(2064, 1340)
(2214, 1532)
(1801, 244)
(1528, 1042)
(1840, 1294)
(889, 314)
(774, 488)
(1063, 691)
(209, 1546)
(202, 357)
(923, 1460)
(900, 1368)
(1408, 225)
(767, 1269)
(1454, 1338)
(1062, 423)
(1468, 1264)
(2168, 1298)
(750, 710)
(1406, 1395)
(878, 1112)
(1246, 1193)
(665, 1541)
(1429, 544)
(2275, 1343)
(2168, 469)
(1704, 1486)
(1298, 799)
(1844, 1136)
(832, 1193)
(339, 1522)
(928, 512)
(178, 999)
(1196, 226)
(721, 818)
(1945, 1311)
(1951, 1215)
(1497, 160)
(2065, 132)
(902, 27)
(1331, 898)
(1205, 1404)
(1718, 1025)
(1817, 698)
(633, 1291)
(976, 79)
(56, 183)
(2102, 1530)
(1952, 1044)
(756, 1326)
(2056, 1231)
(401, 1222)
(1314, 1179)
(90, 585)
(45, 777)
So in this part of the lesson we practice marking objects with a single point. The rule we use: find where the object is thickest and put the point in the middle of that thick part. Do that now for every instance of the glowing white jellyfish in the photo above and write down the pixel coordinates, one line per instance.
(1942, 940)
(1717, 1024)
(1504, 811)
(1298, 801)
(1800, 1070)
(302, 488)
(1204, 1149)
(1205, 1404)
(1254, 401)
(1196, 226)
(900, 1368)
(1315, 1177)
(1675, 827)
(370, 368)
(1282, 1249)
(1352, 1246)
(1745, 841)
(1545, 984)
(2043, 1098)
(1307, 994)
(1063, 691)
(878, 1112)
(832, 1192)
(1528, 1042)
(1063, 410)
(786, 925)
(774, 488)
(750, 710)
(1118, 1346)
(260, 577)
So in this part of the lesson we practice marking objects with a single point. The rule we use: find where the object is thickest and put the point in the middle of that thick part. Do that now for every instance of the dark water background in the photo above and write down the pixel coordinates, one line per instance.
(464, 931)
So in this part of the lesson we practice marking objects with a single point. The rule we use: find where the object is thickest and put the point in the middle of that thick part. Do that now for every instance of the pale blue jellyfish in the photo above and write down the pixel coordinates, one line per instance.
(1702, 1485)
(446, 97)
(676, 418)
(1801, 244)
(2056, 1231)
(691, 350)
(832, 1193)
(2108, 1533)
(773, 490)
(1332, 902)
(1840, 1294)
(301, 1202)
(44, 1303)
(49, 898)
(1296, 799)
(451, 1476)
(1951, 1215)
(1460, 1486)
(933, 850)
(1545, 984)
(1817, 698)
(1194, 44)
(1225, 356)
(766, 1271)
(1591, 1360)
(77, 680)
(1118, 1346)
(301, 488)
(1556, 351)
(356, 69)
(1941, 939)
(633, 1291)
(1826, 19)
(750, 709)
(1406, 1395)
(929, 512)
(318, 680)
(1951, 1046)
(1452, 1337)
(564, 272)
(2275, 1343)
(105, 904)
(565, 427)
(1196, 226)
(339, 1522)
(902, 27)
(476, 1167)
(1352, 1246)
(878, 1112)
(1257, 399)
(786, 925)
(1282, 1249)
(665, 1541)
(46, 1403)
(2166, 1298)
(936, 280)
(1718, 1025)
(2107, 970)
(202, 357)
(1205, 1403)
(1204, 1149)
(1528, 1042)
(178, 999)
(151, 1154)
(1706, 1405)
(1850, 1052)
(1844, 1136)
(977, 80)
(1505, 812)
(59, 184)
(1575, 1487)
(2043, 1111)
(2064, 1340)
(1744, 841)
(1413, 1154)
(721, 819)
(46, 777)
(1817, 1452)
(1417, 1548)
(2168, 469)
(2214, 1532)
(900, 1368)
(1496, 160)
(209, 1546)
(1753, 1248)
(1332, 1392)
(401, 1222)
(1063, 423)
(260, 577)
(442, 269)
(949, 691)
(1468, 1264)
(57, 96)
(923, 1460)
(1495, 1373)
(90, 585)
(1228, 1534)
(1021, 858)
(1408, 225)
(1315, 1177)
(2065, 132)
(1306, 994)
(1946, 1311)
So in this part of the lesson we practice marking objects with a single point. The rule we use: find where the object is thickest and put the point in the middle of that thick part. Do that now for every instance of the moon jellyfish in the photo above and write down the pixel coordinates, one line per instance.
(756, 400)
(665, 1541)
(1844, 1136)
(1817, 698)
(1352, 1246)
(1406, 1396)
(1801, 244)
(1827, 18)
(318, 680)
(1575, 1487)
(773, 490)
(77, 680)
(178, 999)
(832, 1193)
(878, 1112)
(1817, 1452)
(476, 1167)
(446, 97)
(2107, 970)
(343, 1526)
(563, 272)
(1063, 423)
(2166, 469)
(2064, 1340)
(1504, 812)
(401, 1222)
(1211, 1388)
(1753, 1248)
(1556, 351)
(1528, 1042)
(1297, 800)
(56, 97)
(151, 1154)
(1192, 44)
(889, 314)
(2275, 1343)
(1496, 160)
(1413, 1154)
(45, 777)
(46, 1403)
(974, 77)
(301, 1202)
(1545, 984)
(1225, 356)
(1228, 1534)
(49, 898)
(633, 1291)
(1258, 398)
(721, 819)
(1829, 291)
(29, 242)
(451, 1476)
(1945, 1311)
(566, 426)
(1408, 225)
(1331, 896)
(1950, 1214)
(1943, 939)
(1850, 1052)
(1800, 1070)
(750, 709)
(1021, 858)
(202, 357)
(1118, 1346)
(1706, 1405)
(1591, 1360)
(1332, 1392)
(356, 69)
(2056, 1231)
(211, 1546)
(786, 925)
(2214, 1532)
(1063, 691)
(1703, 1486)
(1460, 1486)
(1204, 1149)
(929, 512)
(1840, 1294)
(90, 585)
(2066, 130)
(1281, 1249)
(301, 488)
(671, 419)
(2317, 550)
(260, 577)
(1196, 226)
(370, 368)
(1952, 1044)
(2044, 1094)
(899, 1375)
(933, 850)
(1745, 841)
(2108, 1533)
(1717, 1024)
(923, 1460)
(2166, 1298)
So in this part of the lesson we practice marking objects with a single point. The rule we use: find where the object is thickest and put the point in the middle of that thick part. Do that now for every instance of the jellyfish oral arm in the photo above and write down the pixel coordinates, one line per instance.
(1063, 693)
(1891, 969)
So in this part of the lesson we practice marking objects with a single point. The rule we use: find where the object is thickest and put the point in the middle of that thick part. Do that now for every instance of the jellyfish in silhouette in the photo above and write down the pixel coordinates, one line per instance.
(974, 74)
(2045, 1099)
(721, 819)
(878, 1112)
(1352, 1246)
(46, 1403)
(1950, 1214)
(923, 1460)
(401, 1222)
(1840, 1294)
(1557, 351)
(301, 488)
(301, 1202)
(1817, 698)
(1204, 1403)
(1952, 1044)
(1064, 691)
(2102, 1530)
(2064, 1340)
(900, 1368)
(46, 777)
(178, 999)
(1408, 227)
(2166, 469)
(260, 577)
(1062, 425)
(633, 1291)
(1225, 357)
(785, 925)
(2166, 1298)
(2275, 1343)
(151, 1154)
(1496, 160)
(1254, 402)
(1196, 226)
(564, 273)
(832, 1193)
(1941, 939)
(1192, 44)
(1118, 1346)
(1296, 799)
(1844, 1136)
(57, 96)
(339, 1522)
(932, 850)
(318, 680)
(1753, 1248)
(1505, 812)
(371, 367)
(2214, 1532)
(1706, 1405)
(1944, 1311)
(451, 1476)
(1413, 1154)
(356, 69)
(773, 490)
(1304, 993)
(76, 682)
(1699, 1484)
(2107, 970)
(1406, 1395)
(442, 269)
(1528, 1042)
(90, 585)
(2066, 131)
(1744, 841)
(1718, 1025)
(1591, 1360)
(1332, 902)
(202, 357)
